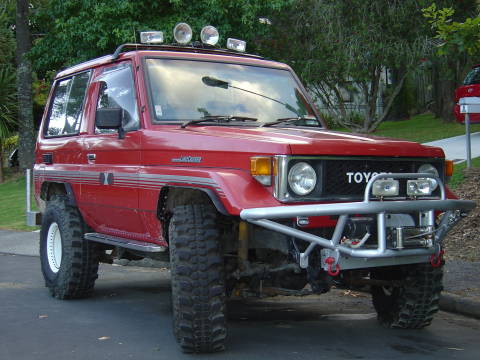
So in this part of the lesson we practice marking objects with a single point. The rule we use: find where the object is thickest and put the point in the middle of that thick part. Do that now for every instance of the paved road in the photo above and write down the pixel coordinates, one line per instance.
(129, 317)
(455, 148)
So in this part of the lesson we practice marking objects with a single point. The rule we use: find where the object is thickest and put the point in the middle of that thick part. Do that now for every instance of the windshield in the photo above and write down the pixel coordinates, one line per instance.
(183, 90)
(473, 77)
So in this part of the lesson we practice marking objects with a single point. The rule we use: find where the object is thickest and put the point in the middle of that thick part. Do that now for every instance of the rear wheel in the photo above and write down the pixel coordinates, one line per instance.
(69, 263)
(413, 304)
(198, 285)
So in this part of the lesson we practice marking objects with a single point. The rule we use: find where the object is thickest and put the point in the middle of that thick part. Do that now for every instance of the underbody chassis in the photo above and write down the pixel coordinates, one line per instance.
(408, 231)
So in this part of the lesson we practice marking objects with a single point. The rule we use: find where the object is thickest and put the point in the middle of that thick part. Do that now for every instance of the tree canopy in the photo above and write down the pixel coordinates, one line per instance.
(454, 36)
(338, 47)
(346, 46)
(77, 30)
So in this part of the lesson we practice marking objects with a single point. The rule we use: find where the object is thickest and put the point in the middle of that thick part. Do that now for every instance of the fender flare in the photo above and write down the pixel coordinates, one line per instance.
(209, 192)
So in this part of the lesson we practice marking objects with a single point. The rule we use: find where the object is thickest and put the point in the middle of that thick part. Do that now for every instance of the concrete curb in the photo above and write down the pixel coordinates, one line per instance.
(460, 305)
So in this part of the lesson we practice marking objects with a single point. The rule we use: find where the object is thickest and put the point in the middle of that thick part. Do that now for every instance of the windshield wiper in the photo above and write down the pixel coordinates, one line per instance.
(219, 118)
(214, 82)
(290, 120)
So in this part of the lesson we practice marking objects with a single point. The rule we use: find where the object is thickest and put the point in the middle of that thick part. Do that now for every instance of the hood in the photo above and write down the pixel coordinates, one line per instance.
(303, 141)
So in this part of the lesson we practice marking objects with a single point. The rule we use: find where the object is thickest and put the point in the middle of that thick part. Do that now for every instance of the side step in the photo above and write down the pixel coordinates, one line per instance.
(124, 243)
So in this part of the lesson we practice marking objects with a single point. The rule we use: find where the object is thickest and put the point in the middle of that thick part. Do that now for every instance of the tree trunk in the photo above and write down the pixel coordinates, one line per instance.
(444, 84)
(26, 141)
(1, 162)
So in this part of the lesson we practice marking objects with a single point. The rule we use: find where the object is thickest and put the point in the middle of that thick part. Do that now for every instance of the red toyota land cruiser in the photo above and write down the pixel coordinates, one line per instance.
(220, 161)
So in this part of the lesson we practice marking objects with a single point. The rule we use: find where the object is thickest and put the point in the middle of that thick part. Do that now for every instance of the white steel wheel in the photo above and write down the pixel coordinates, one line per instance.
(69, 263)
(54, 247)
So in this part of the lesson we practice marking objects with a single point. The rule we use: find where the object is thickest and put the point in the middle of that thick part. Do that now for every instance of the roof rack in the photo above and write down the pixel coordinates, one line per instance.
(194, 47)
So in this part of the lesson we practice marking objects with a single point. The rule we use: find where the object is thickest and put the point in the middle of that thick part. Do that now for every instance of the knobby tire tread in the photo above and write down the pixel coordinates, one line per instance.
(198, 286)
(413, 305)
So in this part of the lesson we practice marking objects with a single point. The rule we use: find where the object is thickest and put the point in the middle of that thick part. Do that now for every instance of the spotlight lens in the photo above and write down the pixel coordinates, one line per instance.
(209, 35)
(182, 33)
(237, 45)
(388, 187)
(151, 37)
(419, 187)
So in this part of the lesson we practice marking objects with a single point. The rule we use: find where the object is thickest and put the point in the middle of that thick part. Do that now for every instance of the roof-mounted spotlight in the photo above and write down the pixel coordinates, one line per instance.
(182, 33)
(237, 45)
(209, 35)
(151, 37)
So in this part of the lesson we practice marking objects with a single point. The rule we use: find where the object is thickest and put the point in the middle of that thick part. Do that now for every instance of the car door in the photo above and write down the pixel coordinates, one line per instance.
(111, 202)
(61, 142)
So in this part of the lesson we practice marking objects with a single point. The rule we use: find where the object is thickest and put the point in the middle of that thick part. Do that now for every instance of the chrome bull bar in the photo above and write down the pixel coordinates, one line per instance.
(453, 211)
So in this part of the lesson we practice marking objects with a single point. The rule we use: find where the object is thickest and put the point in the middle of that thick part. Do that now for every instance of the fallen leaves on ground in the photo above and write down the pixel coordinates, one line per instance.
(463, 242)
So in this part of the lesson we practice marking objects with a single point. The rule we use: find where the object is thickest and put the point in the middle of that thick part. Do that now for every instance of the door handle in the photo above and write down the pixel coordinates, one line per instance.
(91, 157)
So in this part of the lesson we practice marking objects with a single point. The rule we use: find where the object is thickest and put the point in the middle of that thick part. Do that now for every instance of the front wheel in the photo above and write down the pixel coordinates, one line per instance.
(413, 304)
(198, 285)
(69, 263)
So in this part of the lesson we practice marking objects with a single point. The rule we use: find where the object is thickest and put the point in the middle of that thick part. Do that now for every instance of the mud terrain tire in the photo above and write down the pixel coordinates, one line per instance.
(69, 263)
(198, 285)
(412, 305)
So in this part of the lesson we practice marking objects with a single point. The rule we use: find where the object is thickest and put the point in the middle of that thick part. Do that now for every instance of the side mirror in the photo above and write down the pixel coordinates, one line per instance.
(110, 118)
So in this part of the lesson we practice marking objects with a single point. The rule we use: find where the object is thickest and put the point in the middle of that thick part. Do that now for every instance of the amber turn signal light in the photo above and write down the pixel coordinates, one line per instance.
(448, 168)
(261, 169)
(261, 165)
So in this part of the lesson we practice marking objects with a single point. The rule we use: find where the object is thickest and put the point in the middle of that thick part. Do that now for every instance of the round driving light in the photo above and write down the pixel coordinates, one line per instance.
(429, 169)
(182, 33)
(302, 178)
(209, 35)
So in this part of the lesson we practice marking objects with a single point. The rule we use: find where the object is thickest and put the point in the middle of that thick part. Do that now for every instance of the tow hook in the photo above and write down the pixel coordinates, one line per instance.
(436, 259)
(331, 261)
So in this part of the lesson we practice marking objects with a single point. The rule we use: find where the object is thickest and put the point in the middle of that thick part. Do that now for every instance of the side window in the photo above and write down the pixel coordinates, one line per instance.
(117, 91)
(66, 109)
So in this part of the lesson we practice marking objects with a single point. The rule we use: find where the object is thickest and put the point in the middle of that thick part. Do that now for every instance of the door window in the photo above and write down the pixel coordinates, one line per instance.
(117, 91)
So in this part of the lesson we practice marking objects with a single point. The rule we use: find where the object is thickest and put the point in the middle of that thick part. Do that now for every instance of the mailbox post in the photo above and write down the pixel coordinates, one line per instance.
(469, 105)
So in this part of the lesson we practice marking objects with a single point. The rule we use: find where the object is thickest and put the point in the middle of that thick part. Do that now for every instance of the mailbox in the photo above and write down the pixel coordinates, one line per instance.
(469, 105)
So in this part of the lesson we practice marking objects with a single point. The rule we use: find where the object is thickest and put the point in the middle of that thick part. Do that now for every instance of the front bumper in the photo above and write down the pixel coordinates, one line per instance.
(453, 211)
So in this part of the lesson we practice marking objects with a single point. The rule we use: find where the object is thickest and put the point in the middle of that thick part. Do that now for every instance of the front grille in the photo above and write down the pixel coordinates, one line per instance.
(337, 182)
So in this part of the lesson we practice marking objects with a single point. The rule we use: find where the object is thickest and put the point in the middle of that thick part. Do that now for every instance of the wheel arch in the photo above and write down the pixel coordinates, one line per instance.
(171, 196)
(48, 189)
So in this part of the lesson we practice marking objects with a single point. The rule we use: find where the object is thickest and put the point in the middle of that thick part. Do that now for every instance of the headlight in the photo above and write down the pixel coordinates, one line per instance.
(302, 178)
(429, 169)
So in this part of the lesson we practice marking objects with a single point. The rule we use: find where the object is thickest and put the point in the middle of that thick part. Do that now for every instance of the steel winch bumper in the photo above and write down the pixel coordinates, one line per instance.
(349, 257)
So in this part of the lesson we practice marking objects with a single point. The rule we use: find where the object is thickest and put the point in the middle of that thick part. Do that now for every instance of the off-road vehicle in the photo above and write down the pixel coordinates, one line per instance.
(220, 161)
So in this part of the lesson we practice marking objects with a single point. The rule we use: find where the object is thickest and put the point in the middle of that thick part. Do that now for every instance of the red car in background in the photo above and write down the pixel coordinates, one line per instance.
(470, 87)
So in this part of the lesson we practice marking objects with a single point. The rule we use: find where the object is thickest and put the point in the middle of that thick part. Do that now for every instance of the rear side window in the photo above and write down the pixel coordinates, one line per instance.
(66, 109)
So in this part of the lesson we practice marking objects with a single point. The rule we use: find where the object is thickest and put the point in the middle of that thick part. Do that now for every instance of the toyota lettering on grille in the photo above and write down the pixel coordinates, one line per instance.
(359, 177)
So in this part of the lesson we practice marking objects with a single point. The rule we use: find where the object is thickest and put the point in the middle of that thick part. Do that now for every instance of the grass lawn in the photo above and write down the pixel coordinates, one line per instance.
(12, 204)
(421, 128)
